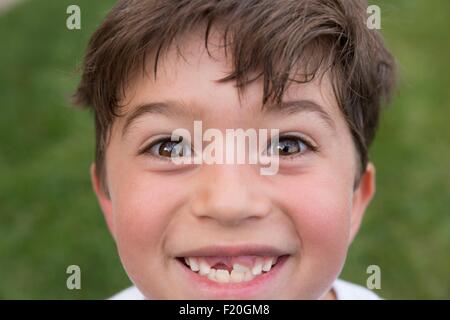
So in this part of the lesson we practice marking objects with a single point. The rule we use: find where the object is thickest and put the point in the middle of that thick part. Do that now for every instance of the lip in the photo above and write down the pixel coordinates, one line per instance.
(233, 251)
(242, 290)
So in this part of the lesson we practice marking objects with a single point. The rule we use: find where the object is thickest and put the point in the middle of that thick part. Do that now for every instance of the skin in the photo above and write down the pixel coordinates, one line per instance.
(156, 210)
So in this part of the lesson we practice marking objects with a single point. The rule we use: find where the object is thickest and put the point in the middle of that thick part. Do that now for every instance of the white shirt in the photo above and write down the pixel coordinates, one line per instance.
(344, 291)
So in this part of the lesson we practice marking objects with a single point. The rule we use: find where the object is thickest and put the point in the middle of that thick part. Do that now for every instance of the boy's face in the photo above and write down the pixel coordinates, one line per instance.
(306, 215)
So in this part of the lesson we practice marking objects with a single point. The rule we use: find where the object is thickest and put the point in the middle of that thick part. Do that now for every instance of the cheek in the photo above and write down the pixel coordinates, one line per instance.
(320, 208)
(142, 211)
(324, 220)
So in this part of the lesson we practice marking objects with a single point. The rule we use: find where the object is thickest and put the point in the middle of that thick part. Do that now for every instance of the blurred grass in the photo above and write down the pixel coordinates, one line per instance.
(49, 217)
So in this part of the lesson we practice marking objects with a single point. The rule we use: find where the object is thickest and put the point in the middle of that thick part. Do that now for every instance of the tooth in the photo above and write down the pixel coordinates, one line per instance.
(248, 276)
(222, 276)
(186, 260)
(204, 267)
(257, 267)
(275, 259)
(193, 263)
(239, 267)
(236, 276)
(267, 264)
(212, 274)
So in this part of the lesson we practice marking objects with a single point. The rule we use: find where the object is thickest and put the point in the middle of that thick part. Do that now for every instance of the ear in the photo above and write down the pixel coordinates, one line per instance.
(103, 200)
(361, 198)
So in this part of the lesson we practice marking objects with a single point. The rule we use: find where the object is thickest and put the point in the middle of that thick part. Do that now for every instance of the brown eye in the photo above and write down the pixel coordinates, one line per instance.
(166, 148)
(289, 146)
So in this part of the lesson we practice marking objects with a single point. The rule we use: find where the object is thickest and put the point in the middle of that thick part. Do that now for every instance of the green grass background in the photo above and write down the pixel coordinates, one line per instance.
(49, 218)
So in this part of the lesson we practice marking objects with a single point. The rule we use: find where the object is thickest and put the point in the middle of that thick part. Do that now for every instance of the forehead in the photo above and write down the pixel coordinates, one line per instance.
(187, 78)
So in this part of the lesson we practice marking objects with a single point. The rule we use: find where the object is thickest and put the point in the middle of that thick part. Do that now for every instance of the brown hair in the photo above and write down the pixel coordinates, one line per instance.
(272, 38)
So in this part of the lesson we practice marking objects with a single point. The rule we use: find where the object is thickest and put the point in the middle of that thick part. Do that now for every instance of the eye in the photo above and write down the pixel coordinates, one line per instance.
(167, 148)
(290, 146)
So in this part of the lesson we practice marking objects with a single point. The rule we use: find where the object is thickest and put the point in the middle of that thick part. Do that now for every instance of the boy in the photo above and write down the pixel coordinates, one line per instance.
(309, 70)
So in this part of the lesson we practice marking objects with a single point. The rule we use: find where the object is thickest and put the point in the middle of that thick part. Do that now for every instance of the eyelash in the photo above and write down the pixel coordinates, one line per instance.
(310, 146)
(146, 150)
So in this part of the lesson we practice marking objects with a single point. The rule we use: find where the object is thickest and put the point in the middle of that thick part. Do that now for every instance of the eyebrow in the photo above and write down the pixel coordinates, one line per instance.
(169, 108)
(299, 106)
(172, 108)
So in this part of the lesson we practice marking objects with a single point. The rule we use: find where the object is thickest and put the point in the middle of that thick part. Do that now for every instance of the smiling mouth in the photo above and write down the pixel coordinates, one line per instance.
(231, 269)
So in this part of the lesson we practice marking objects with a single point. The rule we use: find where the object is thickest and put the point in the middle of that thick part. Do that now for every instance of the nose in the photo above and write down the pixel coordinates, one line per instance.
(229, 195)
